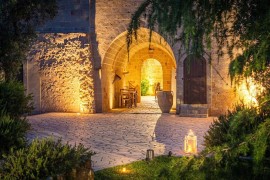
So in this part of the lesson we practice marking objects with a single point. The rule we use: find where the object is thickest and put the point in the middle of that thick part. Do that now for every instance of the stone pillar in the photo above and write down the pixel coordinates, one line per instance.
(31, 80)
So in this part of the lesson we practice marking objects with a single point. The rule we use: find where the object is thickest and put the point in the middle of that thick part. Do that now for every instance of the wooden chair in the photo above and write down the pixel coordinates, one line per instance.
(125, 98)
(133, 96)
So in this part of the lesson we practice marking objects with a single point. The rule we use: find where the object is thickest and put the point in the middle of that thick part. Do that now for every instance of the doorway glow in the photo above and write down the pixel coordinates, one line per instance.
(151, 73)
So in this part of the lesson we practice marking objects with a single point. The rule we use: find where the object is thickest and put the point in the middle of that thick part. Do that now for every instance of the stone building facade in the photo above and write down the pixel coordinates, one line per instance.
(72, 65)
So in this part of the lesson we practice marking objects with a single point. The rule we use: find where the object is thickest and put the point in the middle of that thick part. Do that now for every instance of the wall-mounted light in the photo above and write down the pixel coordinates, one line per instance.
(151, 50)
(125, 72)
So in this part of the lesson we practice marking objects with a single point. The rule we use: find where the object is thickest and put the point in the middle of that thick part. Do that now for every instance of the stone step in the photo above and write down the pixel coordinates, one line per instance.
(194, 115)
(194, 110)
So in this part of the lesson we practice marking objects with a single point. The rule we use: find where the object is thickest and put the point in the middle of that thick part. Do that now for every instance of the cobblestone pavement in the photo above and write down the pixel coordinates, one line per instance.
(120, 138)
(147, 106)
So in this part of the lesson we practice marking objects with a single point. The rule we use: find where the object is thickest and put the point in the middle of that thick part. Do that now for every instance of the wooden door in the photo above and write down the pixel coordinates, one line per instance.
(195, 80)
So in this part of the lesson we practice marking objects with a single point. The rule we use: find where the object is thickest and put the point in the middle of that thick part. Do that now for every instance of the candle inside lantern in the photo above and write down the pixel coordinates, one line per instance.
(190, 143)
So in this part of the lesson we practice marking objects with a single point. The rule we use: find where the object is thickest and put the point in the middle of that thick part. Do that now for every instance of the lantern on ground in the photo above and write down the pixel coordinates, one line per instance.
(190, 144)
(149, 154)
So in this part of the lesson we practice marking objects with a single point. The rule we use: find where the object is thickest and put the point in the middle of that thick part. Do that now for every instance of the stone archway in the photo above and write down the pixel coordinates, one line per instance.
(119, 71)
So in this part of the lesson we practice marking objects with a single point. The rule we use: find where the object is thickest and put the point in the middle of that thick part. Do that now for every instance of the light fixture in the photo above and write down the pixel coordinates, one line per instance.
(124, 170)
(149, 154)
(151, 50)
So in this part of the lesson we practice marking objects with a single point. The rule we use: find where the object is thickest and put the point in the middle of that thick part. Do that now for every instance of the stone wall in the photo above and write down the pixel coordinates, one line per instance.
(111, 19)
(224, 97)
(65, 73)
(72, 16)
(62, 76)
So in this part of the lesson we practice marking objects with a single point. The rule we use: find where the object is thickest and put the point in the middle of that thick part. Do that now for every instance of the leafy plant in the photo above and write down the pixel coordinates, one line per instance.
(43, 158)
(144, 87)
(237, 146)
(14, 100)
(232, 127)
(260, 141)
(12, 132)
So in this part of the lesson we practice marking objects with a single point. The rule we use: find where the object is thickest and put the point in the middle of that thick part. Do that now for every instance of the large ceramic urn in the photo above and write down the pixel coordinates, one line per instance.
(165, 100)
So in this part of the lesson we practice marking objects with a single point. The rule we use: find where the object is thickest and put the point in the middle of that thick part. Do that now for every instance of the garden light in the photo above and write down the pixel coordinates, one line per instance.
(149, 154)
(190, 143)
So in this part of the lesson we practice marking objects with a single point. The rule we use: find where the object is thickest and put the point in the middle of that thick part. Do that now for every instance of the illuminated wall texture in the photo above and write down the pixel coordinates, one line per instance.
(65, 73)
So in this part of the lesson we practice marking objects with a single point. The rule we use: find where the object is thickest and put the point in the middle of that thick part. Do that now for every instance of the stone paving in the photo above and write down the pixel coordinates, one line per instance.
(120, 138)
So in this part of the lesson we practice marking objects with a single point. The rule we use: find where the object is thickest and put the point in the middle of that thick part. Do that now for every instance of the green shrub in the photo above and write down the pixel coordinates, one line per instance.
(227, 137)
(233, 127)
(14, 100)
(43, 158)
(260, 141)
(12, 132)
(237, 146)
(218, 130)
(144, 87)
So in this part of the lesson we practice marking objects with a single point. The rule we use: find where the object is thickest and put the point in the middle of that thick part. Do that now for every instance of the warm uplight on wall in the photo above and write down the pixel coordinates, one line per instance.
(248, 91)
(190, 143)
(99, 73)
(83, 108)
(111, 97)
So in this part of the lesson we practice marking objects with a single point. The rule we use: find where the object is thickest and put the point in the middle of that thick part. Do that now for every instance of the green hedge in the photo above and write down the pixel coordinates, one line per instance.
(14, 100)
(43, 158)
(12, 132)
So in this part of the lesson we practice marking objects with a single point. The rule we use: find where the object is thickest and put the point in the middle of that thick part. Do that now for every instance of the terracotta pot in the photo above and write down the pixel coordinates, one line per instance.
(165, 100)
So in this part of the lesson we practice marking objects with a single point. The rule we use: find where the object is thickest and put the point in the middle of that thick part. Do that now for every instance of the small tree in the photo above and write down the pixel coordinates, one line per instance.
(18, 21)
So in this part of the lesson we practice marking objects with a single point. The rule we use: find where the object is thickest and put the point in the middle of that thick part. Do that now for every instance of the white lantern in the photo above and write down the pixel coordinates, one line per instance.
(190, 143)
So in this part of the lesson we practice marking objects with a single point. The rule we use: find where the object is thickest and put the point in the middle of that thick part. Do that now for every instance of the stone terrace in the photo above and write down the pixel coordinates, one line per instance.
(120, 138)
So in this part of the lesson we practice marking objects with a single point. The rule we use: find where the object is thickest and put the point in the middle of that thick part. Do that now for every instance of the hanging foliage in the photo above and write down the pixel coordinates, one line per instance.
(197, 24)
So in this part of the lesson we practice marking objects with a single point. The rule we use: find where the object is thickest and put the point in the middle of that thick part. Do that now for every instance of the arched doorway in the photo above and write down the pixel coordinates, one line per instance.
(151, 75)
(195, 80)
(122, 70)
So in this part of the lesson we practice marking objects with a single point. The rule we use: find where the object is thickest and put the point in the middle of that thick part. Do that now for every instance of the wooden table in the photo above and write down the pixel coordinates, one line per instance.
(128, 98)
